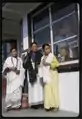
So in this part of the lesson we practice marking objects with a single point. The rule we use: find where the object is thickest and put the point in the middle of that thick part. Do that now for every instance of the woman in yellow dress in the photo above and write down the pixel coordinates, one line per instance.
(49, 66)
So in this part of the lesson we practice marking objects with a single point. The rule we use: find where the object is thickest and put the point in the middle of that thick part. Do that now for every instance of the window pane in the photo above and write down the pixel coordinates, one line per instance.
(42, 36)
(65, 28)
(67, 50)
(41, 19)
(62, 12)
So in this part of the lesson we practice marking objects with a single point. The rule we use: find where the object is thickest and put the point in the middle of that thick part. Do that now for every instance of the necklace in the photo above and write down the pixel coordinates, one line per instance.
(13, 62)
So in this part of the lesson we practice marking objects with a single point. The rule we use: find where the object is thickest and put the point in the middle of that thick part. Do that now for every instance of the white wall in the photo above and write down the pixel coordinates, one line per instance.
(69, 91)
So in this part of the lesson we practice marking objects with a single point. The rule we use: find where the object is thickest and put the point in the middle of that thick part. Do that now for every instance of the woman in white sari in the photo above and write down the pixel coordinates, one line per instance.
(14, 73)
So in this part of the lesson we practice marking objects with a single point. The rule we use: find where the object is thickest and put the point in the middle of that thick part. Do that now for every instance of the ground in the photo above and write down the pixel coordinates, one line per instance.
(36, 113)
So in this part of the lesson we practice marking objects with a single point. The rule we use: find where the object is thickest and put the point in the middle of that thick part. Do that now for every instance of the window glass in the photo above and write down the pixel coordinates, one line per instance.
(60, 13)
(65, 28)
(67, 50)
(42, 36)
(41, 20)
(65, 33)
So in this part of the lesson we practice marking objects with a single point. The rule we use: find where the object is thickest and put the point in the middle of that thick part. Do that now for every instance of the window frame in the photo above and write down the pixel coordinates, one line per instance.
(51, 30)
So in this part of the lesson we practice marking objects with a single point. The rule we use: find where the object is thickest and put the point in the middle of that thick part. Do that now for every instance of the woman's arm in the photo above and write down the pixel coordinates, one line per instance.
(25, 62)
(54, 64)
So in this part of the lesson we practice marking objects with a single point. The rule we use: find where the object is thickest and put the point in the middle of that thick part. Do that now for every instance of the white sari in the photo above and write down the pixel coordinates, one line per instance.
(46, 69)
(14, 83)
(35, 92)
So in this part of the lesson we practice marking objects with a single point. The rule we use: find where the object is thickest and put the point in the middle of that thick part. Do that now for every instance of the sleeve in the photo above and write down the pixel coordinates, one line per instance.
(5, 65)
(54, 63)
(40, 72)
(25, 62)
(40, 68)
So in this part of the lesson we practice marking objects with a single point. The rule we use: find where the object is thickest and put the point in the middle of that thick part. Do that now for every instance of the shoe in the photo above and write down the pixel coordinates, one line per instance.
(18, 109)
(34, 107)
(8, 109)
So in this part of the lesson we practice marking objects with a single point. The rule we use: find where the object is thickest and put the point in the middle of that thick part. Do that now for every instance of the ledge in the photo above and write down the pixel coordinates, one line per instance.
(69, 66)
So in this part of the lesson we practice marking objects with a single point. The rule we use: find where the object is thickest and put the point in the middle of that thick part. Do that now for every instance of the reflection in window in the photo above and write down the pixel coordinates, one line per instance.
(65, 28)
(42, 36)
(41, 20)
(65, 33)
(59, 14)
(67, 50)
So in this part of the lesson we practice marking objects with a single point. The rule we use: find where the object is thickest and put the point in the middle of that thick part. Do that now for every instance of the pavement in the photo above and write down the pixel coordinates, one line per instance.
(35, 113)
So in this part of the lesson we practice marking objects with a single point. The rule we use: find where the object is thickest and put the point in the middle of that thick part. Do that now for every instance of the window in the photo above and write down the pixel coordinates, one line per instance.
(61, 12)
(64, 28)
(41, 20)
(59, 26)
(66, 50)
(41, 29)
(65, 33)
(42, 36)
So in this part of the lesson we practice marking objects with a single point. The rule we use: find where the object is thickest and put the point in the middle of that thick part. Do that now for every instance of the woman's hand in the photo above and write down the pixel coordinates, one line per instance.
(6, 71)
(45, 63)
(17, 72)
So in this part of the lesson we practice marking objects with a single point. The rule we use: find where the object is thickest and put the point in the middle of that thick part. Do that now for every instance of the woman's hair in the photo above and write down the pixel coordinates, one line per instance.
(13, 49)
(33, 43)
(67, 51)
(44, 45)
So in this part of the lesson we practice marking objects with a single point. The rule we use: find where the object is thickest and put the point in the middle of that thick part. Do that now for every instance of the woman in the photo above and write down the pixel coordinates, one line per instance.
(35, 88)
(64, 53)
(14, 73)
(49, 66)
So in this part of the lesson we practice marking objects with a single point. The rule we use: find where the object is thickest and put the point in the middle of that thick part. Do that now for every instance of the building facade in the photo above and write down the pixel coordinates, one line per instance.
(58, 25)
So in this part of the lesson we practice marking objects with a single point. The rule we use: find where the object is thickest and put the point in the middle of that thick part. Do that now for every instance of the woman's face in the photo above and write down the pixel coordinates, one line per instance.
(63, 52)
(47, 50)
(34, 47)
(14, 53)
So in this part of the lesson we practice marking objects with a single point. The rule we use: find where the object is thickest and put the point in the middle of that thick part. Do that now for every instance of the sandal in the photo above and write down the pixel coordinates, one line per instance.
(8, 109)
(47, 109)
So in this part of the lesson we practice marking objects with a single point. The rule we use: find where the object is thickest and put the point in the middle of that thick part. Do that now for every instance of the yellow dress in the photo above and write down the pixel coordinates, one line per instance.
(51, 90)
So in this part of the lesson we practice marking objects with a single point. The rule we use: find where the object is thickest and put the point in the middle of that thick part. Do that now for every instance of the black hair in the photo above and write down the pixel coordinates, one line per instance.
(13, 49)
(33, 43)
(44, 45)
